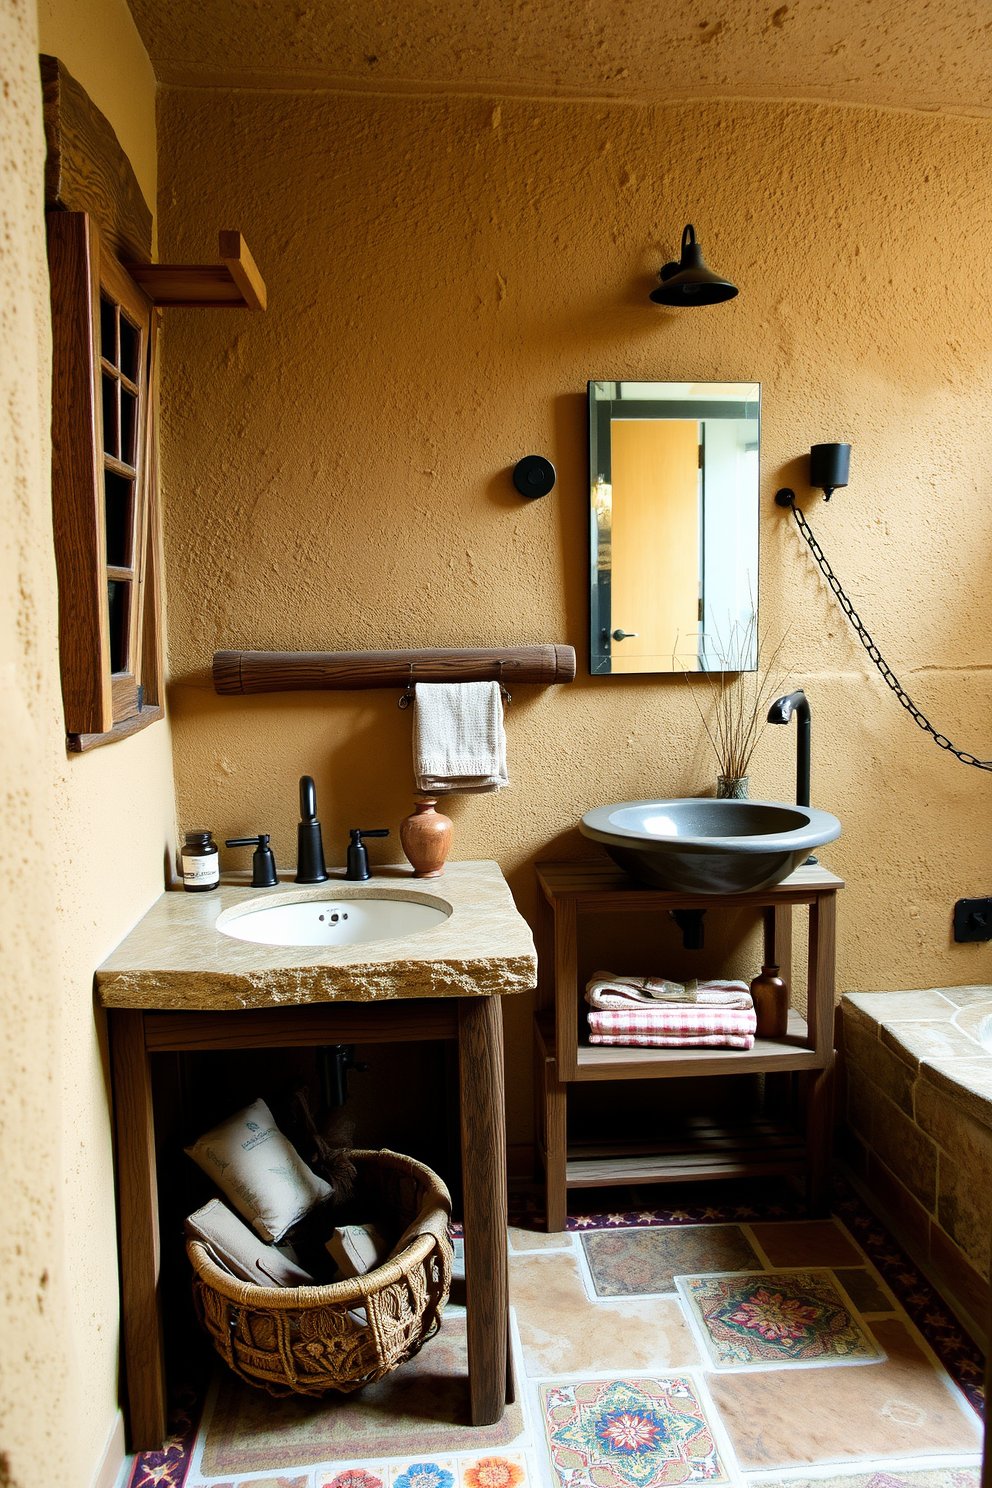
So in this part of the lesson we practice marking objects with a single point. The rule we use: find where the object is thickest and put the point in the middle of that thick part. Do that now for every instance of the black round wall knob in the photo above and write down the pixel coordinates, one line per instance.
(534, 475)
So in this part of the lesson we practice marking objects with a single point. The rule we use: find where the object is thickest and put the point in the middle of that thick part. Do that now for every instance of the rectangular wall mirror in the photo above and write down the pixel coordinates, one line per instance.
(673, 475)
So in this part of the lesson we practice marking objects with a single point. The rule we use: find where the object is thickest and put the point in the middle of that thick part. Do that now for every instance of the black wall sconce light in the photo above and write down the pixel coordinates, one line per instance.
(829, 468)
(690, 282)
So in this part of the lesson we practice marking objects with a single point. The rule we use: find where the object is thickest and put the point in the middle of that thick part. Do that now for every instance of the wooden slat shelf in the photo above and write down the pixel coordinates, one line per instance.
(621, 1062)
(599, 886)
(701, 1148)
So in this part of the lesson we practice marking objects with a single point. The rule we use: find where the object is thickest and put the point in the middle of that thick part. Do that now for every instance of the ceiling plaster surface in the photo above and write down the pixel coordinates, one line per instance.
(915, 54)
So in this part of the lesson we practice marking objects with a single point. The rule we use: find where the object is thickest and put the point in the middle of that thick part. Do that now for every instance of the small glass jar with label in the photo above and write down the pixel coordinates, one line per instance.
(200, 863)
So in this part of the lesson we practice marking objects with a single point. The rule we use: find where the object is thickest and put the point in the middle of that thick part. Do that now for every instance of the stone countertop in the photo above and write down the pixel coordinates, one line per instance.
(175, 958)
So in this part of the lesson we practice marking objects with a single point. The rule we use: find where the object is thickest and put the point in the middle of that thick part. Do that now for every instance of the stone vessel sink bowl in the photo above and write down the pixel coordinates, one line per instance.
(333, 921)
(702, 846)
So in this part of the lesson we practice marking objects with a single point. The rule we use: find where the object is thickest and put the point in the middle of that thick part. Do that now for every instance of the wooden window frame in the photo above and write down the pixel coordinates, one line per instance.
(101, 706)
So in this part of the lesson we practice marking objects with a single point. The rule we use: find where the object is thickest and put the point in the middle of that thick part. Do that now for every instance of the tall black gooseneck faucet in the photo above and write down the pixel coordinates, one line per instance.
(780, 712)
(310, 865)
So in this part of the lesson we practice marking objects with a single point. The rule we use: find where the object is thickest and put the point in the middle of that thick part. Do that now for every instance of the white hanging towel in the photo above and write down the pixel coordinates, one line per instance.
(459, 745)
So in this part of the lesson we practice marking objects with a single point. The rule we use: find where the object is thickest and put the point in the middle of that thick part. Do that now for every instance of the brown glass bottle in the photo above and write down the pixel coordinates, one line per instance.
(771, 1003)
(200, 863)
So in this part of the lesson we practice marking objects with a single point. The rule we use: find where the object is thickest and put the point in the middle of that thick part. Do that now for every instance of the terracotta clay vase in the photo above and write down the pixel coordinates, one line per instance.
(425, 837)
(771, 1003)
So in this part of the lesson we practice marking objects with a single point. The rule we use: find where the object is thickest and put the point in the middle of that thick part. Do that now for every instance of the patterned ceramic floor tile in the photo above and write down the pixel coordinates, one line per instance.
(494, 1470)
(439, 1472)
(368, 1475)
(865, 1291)
(818, 1242)
(780, 1317)
(903, 1407)
(630, 1433)
(625, 1262)
(563, 1332)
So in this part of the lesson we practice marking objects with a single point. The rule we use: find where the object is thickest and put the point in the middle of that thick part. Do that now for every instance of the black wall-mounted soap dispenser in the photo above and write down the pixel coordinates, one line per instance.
(310, 865)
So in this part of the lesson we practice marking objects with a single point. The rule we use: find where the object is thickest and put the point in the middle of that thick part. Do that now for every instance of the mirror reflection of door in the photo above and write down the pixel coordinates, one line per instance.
(656, 567)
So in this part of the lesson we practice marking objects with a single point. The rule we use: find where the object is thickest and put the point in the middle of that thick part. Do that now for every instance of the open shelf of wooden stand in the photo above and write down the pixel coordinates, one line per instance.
(697, 1148)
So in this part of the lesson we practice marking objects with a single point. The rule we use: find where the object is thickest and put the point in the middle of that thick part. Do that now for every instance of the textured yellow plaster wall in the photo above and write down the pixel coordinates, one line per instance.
(444, 276)
(83, 848)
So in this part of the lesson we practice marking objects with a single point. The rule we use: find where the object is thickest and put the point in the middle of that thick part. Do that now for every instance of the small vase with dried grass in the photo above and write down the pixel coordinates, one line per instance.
(738, 703)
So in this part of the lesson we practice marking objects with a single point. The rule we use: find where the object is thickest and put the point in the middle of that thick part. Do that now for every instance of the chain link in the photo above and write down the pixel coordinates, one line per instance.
(888, 676)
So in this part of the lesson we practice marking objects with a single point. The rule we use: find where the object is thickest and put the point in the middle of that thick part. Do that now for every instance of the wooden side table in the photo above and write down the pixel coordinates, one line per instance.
(757, 1148)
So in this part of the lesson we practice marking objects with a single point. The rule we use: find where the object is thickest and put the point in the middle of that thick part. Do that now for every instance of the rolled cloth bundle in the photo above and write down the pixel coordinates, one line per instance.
(607, 990)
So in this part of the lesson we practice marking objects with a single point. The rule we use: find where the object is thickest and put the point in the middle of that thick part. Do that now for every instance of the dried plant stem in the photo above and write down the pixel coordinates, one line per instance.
(739, 701)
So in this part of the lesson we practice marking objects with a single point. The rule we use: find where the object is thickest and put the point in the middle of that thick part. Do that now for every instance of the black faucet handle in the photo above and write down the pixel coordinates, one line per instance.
(263, 863)
(369, 832)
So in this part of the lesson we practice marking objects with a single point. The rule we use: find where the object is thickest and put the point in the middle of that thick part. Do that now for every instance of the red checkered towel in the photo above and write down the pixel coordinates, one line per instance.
(677, 1026)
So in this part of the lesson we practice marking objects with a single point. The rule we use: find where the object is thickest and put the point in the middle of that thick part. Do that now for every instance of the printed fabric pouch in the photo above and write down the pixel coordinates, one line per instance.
(260, 1171)
(239, 1250)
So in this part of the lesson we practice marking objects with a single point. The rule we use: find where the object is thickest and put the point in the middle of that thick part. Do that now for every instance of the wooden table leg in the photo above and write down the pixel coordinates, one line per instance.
(778, 952)
(819, 1137)
(483, 1124)
(137, 1209)
(820, 1020)
(555, 1144)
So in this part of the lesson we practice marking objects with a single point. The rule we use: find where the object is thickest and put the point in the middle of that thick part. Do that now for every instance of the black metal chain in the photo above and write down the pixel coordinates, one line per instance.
(888, 676)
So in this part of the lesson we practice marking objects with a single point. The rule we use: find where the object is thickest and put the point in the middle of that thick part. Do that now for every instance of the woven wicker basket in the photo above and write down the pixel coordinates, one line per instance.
(308, 1340)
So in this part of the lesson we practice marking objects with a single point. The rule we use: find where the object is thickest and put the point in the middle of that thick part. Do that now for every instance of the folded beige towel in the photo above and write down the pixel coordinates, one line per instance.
(607, 990)
(458, 741)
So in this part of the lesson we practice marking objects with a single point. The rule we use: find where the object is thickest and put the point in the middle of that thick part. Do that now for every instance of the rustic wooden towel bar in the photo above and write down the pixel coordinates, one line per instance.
(239, 672)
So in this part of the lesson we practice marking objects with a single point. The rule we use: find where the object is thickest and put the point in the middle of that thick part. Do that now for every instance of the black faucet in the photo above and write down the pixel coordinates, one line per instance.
(263, 864)
(310, 865)
(781, 711)
(358, 858)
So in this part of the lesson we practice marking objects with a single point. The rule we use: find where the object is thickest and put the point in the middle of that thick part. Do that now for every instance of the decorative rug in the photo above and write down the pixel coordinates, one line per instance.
(637, 1261)
(778, 1318)
(422, 1407)
(638, 1433)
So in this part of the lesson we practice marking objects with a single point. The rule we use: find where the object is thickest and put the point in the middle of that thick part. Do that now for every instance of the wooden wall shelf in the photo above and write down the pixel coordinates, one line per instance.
(239, 672)
(233, 284)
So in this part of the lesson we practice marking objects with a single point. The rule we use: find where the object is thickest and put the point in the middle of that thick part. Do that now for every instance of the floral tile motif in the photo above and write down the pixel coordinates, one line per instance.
(494, 1471)
(623, 1263)
(353, 1477)
(629, 1433)
(441, 1473)
(781, 1317)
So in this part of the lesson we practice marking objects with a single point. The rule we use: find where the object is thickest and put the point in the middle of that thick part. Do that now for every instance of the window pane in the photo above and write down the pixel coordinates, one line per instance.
(108, 330)
(118, 597)
(129, 349)
(129, 413)
(119, 503)
(110, 444)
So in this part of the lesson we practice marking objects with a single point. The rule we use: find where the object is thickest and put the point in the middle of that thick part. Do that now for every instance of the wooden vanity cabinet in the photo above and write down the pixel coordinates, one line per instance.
(702, 1149)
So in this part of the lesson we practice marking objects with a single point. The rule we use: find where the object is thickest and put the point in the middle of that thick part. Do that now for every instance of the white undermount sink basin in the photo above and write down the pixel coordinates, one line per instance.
(335, 921)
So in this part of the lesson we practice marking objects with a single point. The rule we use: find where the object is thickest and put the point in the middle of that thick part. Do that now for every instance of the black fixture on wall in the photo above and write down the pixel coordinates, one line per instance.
(534, 475)
(690, 282)
(829, 468)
